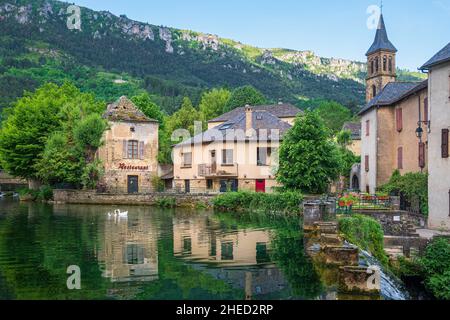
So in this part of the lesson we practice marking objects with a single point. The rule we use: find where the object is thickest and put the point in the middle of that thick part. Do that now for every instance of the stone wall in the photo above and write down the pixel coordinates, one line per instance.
(397, 223)
(92, 197)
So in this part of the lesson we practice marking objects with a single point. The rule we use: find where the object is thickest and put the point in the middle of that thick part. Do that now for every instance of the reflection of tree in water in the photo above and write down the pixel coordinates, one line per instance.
(289, 255)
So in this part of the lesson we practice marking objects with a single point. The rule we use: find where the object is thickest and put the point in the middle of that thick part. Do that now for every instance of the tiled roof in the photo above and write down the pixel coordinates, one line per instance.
(279, 110)
(262, 122)
(381, 41)
(440, 57)
(355, 128)
(391, 93)
(125, 110)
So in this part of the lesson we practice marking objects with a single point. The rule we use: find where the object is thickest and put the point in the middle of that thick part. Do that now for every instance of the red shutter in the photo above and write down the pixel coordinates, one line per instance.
(367, 163)
(425, 109)
(422, 155)
(400, 158)
(141, 150)
(367, 128)
(399, 118)
(444, 143)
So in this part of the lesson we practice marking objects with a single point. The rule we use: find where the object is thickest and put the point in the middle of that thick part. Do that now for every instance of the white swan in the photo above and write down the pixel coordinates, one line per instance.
(119, 214)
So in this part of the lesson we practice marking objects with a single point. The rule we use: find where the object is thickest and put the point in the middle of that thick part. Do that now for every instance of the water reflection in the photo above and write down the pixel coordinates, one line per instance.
(154, 254)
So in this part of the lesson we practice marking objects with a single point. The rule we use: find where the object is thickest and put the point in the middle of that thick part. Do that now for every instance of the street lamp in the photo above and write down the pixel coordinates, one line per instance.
(419, 132)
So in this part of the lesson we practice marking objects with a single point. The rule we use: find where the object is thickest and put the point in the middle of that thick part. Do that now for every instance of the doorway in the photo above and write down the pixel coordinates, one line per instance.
(187, 186)
(355, 183)
(133, 184)
(261, 186)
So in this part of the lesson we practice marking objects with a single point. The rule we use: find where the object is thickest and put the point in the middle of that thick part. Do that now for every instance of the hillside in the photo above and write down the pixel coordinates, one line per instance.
(112, 56)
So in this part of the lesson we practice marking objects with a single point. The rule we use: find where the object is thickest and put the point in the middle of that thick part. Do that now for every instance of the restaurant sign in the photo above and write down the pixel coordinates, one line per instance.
(123, 166)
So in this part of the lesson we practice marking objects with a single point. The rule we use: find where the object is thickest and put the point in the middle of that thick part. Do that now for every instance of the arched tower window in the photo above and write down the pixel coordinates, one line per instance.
(371, 67)
(390, 64)
(384, 63)
(377, 64)
(374, 91)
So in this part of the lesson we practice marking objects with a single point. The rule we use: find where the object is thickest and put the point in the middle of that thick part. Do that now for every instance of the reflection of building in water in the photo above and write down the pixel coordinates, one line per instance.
(129, 251)
(195, 239)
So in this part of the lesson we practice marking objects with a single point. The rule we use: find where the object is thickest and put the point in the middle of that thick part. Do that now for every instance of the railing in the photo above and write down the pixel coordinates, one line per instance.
(350, 203)
(216, 170)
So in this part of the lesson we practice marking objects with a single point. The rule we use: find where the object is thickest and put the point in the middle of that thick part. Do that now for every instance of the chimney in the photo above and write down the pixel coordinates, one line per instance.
(248, 117)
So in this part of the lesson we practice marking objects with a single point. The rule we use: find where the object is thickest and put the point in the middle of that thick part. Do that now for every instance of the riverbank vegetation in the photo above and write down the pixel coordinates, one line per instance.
(366, 233)
(285, 203)
(433, 268)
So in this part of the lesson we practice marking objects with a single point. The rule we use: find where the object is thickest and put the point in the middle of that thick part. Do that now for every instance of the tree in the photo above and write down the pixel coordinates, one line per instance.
(88, 135)
(213, 103)
(184, 118)
(334, 114)
(36, 116)
(243, 96)
(309, 160)
(149, 108)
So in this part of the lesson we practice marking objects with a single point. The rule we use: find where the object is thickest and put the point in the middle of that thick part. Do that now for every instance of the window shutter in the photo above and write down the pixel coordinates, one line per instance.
(141, 150)
(367, 128)
(425, 109)
(125, 149)
(422, 155)
(400, 158)
(399, 119)
(444, 143)
(367, 163)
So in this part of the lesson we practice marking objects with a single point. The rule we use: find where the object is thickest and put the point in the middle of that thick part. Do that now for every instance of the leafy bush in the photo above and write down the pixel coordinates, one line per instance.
(166, 202)
(366, 233)
(436, 268)
(158, 183)
(45, 193)
(288, 202)
(413, 186)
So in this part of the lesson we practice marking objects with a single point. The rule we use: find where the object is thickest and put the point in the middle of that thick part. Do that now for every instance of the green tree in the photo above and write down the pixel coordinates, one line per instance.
(25, 131)
(334, 114)
(184, 118)
(213, 103)
(149, 108)
(243, 96)
(436, 268)
(88, 134)
(309, 160)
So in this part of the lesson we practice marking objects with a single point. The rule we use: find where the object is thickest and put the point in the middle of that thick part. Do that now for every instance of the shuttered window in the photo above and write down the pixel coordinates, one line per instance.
(425, 109)
(444, 143)
(367, 128)
(133, 149)
(422, 155)
(366, 165)
(399, 118)
(400, 158)
(187, 159)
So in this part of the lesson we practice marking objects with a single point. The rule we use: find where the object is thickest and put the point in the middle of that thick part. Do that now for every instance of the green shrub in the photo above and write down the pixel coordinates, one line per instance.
(158, 184)
(436, 268)
(45, 193)
(413, 186)
(366, 233)
(166, 202)
(288, 202)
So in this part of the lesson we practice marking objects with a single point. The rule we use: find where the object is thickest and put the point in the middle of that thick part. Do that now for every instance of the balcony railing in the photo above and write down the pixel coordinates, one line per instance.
(217, 170)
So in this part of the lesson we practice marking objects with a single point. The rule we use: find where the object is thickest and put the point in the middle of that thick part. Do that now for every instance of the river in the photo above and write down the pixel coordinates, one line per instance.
(157, 254)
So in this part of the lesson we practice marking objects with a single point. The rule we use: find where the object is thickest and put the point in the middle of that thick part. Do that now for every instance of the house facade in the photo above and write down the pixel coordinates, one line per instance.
(239, 151)
(438, 69)
(130, 149)
(390, 119)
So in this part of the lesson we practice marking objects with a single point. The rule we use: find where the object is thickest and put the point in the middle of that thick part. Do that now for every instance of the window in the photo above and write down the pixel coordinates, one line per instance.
(422, 155)
(444, 143)
(367, 128)
(384, 63)
(133, 149)
(372, 67)
(366, 165)
(263, 156)
(187, 159)
(377, 64)
(187, 246)
(134, 254)
(400, 158)
(227, 251)
(425, 109)
(390, 64)
(209, 184)
(227, 156)
(374, 91)
(399, 119)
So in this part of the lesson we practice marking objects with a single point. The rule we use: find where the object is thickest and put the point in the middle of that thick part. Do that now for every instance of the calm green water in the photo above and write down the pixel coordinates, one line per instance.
(154, 254)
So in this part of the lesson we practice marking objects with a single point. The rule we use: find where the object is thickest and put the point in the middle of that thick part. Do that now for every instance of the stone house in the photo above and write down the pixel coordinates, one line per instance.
(355, 129)
(391, 118)
(130, 149)
(438, 68)
(239, 151)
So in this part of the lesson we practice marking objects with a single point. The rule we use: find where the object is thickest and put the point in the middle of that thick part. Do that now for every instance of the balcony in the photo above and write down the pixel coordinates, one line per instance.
(218, 170)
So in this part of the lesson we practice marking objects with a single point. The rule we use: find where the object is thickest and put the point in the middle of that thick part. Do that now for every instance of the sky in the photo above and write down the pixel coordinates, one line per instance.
(330, 28)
